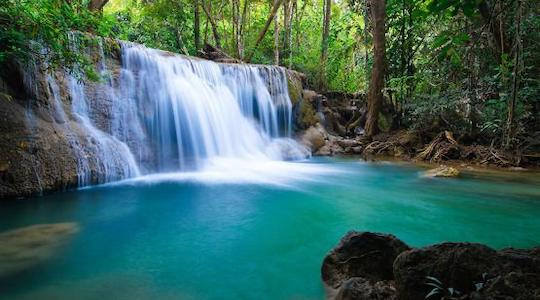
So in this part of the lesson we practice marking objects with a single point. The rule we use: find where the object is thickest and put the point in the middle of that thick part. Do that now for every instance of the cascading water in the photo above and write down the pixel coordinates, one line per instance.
(178, 113)
(168, 113)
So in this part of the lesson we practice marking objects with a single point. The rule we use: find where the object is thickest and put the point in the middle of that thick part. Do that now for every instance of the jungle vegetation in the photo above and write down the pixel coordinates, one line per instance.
(468, 66)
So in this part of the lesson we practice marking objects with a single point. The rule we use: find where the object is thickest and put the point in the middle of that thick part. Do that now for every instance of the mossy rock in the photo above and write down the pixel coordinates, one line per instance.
(294, 85)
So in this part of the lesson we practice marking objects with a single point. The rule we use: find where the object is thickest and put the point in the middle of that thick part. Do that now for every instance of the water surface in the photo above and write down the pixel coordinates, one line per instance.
(255, 231)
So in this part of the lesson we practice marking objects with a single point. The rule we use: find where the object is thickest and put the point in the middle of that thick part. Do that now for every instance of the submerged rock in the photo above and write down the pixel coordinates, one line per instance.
(362, 254)
(442, 171)
(26, 247)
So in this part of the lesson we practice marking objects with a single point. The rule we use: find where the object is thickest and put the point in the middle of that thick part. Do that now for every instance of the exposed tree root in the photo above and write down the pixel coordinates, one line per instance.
(444, 147)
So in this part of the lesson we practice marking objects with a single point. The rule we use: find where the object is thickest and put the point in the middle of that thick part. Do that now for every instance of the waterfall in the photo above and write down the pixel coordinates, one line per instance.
(165, 113)
(177, 113)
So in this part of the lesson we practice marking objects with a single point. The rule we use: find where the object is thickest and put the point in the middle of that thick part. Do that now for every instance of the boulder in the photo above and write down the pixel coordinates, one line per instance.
(526, 260)
(330, 148)
(358, 288)
(471, 269)
(513, 285)
(442, 171)
(304, 109)
(379, 266)
(357, 149)
(346, 143)
(314, 137)
(362, 254)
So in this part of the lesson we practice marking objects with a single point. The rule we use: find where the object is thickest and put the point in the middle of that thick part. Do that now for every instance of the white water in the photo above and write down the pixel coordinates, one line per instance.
(167, 113)
(192, 111)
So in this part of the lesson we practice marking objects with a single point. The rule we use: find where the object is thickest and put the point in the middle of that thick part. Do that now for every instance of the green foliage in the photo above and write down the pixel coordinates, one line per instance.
(44, 29)
(444, 70)
(439, 290)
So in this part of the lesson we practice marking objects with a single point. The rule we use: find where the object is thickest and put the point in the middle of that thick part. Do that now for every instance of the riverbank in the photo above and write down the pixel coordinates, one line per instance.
(411, 146)
(331, 123)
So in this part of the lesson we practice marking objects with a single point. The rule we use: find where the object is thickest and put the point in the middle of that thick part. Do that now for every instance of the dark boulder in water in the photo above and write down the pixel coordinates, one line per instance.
(362, 254)
(457, 265)
(365, 266)
(471, 269)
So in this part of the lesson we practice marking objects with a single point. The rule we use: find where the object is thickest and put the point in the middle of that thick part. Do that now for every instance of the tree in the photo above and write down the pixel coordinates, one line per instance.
(196, 25)
(276, 38)
(510, 120)
(97, 5)
(262, 33)
(215, 32)
(376, 85)
(235, 7)
(324, 44)
(243, 20)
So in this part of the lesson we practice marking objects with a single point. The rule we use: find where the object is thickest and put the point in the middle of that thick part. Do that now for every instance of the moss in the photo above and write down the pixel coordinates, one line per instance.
(294, 86)
(308, 116)
(112, 46)
(384, 122)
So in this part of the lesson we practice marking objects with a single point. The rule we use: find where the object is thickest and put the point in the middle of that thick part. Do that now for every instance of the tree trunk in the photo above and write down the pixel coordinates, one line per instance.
(243, 21)
(494, 21)
(265, 28)
(197, 26)
(376, 85)
(287, 10)
(213, 24)
(324, 44)
(290, 32)
(276, 38)
(367, 28)
(236, 27)
(97, 5)
(515, 83)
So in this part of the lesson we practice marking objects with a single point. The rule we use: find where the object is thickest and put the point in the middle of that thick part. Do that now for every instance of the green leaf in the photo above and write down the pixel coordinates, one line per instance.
(434, 279)
(433, 292)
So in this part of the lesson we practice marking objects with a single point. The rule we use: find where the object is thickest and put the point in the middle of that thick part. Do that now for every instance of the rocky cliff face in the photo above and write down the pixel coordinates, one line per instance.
(42, 142)
(51, 140)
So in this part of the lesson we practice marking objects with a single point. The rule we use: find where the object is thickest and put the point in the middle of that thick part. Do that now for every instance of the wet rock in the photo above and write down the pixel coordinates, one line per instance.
(513, 285)
(362, 254)
(314, 138)
(526, 260)
(26, 247)
(304, 110)
(360, 267)
(442, 171)
(456, 265)
(357, 149)
(345, 143)
(358, 288)
(468, 267)
(331, 147)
